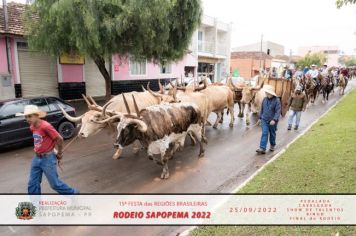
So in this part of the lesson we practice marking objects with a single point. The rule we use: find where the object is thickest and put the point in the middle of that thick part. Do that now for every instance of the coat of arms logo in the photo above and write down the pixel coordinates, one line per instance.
(25, 211)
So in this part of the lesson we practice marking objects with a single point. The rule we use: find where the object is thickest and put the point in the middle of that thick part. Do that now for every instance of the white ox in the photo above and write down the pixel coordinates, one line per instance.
(252, 97)
(90, 120)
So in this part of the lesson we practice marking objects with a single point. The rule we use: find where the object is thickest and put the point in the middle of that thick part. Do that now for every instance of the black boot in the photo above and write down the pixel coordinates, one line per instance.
(296, 127)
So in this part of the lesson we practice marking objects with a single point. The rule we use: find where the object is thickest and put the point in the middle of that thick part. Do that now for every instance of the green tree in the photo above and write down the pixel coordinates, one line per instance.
(310, 59)
(351, 62)
(340, 3)
(156, 30)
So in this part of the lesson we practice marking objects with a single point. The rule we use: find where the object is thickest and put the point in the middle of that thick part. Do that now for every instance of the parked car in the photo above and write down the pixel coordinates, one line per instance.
(14, 129)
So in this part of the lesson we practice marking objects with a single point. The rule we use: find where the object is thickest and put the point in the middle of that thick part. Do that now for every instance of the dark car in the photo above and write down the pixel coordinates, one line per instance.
(14, 129)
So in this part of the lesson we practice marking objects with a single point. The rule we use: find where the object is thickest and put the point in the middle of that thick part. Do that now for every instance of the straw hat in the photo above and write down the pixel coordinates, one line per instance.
(269, 89)
(32, 109)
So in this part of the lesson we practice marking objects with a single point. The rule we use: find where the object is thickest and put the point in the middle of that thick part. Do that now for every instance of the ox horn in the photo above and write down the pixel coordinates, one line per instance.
(204, 86)
(232, 84)
(143, 88)
(70, 118)
(86, 100)
(126, 104)
(93, 101)
(104, 108)
(135, 105)
(161, 90)
(112, 118)
(153, 93)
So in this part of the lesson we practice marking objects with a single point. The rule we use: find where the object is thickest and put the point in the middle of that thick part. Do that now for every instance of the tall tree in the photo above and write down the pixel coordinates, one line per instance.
(310, 59)
(340, 3)
(157, 30)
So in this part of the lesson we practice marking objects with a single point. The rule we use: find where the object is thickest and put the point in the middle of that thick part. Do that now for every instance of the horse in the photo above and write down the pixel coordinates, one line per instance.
(311, 89)
(327, 86)
(342, 84)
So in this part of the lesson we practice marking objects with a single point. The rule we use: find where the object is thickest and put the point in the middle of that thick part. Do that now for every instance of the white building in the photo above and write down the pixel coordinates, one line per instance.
(211, 44)
(270, 48)
(332, 53)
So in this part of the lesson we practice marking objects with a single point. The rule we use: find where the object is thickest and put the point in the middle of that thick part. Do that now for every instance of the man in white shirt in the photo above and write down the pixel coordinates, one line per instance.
(313, 72)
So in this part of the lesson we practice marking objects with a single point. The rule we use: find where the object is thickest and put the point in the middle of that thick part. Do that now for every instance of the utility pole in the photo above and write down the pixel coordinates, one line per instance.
(261, 53)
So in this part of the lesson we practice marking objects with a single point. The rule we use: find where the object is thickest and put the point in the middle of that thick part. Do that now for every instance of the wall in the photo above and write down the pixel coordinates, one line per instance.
(7, 91)
(275, 49)
(71, 73)
(247, 67)
(121, 69)
(243, 65)
(3, 56)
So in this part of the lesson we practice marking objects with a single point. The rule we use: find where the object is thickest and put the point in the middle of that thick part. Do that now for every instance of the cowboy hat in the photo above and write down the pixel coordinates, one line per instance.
(269, 89)
(32, 109)
(313, 65)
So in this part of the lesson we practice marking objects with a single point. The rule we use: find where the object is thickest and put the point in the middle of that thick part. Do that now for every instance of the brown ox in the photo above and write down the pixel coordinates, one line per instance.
(160, 128)
(90, 120)
(252, 97)
(220, 97)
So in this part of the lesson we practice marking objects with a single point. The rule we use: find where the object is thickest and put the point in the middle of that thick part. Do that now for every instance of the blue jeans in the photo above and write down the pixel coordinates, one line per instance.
(270, 130)
(297, 115)
(48, 166)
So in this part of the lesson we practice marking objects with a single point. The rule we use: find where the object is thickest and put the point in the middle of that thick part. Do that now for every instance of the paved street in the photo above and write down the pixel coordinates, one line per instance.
(229, 160)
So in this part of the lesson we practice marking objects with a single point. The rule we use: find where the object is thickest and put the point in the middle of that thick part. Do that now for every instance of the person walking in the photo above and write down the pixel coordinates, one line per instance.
(297, 103)
(269, 116)
(45, 137)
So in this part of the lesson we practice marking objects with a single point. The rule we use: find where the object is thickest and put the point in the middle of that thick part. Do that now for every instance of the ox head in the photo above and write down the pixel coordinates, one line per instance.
(249, 93)
(161, 95)
(191, 88)
(90, 120)
(129, 128)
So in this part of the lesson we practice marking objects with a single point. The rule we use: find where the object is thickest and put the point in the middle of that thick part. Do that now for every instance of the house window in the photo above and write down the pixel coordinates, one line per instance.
(137, 67)
(165, 69)
(200, 35)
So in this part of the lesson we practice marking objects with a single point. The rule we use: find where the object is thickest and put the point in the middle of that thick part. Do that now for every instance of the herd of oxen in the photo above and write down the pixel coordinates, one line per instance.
(159, 121)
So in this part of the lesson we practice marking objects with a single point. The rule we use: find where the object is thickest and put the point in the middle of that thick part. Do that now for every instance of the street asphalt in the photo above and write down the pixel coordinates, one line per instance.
(230, 159)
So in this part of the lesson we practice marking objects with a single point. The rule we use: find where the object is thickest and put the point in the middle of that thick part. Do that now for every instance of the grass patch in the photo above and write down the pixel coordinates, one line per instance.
(321, 161)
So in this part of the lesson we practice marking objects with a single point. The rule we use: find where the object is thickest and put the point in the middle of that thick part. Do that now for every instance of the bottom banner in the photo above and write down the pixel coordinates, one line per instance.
(187, 209)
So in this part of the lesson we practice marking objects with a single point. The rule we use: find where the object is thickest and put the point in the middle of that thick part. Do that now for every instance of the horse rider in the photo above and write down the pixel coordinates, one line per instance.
(314, 73)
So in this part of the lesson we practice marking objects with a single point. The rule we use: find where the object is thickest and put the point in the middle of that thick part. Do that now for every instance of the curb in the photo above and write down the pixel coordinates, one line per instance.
(243, 184)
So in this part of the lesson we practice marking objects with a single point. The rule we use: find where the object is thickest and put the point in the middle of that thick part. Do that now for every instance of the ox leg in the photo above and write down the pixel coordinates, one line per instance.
(232, 115)
(164, 159)
(217, 119)
(135, 147)
(117, 154)
(204, 138)
(192, 139)
(222, 117)
(198, 133)
(248, 114)
(241, 114)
